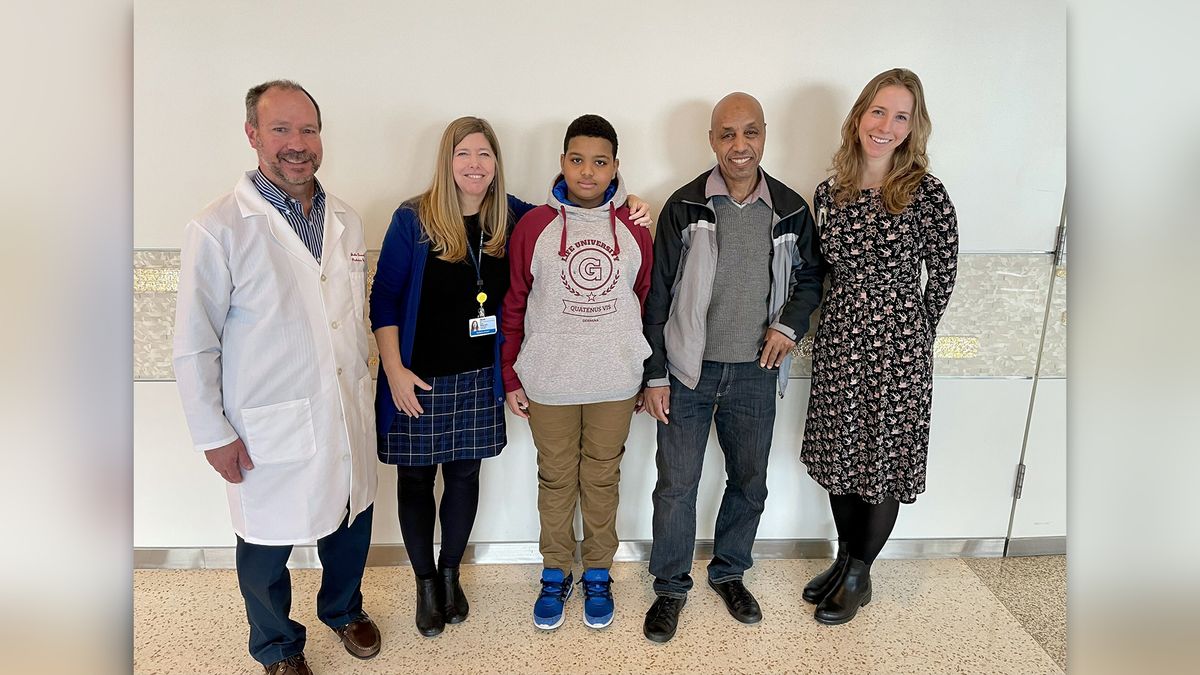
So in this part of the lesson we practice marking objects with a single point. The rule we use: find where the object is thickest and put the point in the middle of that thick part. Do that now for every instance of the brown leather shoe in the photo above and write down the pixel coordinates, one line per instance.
(292, 665)
(361, 637)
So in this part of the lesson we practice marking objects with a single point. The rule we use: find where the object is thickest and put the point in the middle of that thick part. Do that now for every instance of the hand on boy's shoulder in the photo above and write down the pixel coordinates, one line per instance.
(638, 211)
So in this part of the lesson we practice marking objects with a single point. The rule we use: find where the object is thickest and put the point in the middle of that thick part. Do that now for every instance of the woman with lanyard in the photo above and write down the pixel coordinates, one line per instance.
(440, 401)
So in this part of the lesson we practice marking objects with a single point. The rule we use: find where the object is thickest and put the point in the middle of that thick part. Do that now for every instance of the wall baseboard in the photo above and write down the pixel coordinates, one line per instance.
(508, 553)
(1024, 546)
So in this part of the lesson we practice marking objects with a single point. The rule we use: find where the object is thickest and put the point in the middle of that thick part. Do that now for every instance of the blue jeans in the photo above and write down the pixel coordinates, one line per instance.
(743, 396)
(267, 588)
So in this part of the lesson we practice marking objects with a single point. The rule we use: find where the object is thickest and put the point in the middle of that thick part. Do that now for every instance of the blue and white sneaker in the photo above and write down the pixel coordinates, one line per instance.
(548, 610)
(597, 597)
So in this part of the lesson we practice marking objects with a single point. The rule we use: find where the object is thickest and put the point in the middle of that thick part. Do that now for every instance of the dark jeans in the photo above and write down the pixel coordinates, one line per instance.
(460, 501)
(266, 587)
(743, 396)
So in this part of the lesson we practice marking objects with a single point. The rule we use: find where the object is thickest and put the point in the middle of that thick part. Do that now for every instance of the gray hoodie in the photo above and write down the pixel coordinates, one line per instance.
(572, 319)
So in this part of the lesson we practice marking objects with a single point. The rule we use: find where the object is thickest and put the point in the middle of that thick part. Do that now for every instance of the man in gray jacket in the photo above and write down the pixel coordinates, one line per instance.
(721, 328)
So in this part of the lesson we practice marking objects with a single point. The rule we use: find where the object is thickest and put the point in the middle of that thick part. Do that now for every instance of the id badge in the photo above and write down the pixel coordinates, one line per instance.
(481, 326)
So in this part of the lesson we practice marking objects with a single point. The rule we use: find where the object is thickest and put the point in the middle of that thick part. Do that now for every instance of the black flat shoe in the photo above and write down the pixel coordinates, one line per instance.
(430, 621)
(738, 600)
(454, 605)
(853, 590)
(816, 590)
(663, 618)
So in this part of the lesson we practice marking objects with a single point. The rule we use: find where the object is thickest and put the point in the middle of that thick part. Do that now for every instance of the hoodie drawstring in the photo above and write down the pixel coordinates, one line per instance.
(612, 219)
(562, 245)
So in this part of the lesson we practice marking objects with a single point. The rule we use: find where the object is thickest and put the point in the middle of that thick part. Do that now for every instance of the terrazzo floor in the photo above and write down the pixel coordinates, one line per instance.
(928, 616)
(1034, 590)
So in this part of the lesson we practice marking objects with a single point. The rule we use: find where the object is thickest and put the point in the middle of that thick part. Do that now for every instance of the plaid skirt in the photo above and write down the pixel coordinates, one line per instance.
(462, 420)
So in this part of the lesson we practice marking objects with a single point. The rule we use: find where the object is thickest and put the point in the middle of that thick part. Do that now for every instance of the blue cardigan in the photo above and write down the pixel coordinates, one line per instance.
(396, 295)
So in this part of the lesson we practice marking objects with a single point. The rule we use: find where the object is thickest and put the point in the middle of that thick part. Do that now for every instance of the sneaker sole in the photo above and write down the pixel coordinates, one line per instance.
(658, 639)
(550, 626)
(601, 623)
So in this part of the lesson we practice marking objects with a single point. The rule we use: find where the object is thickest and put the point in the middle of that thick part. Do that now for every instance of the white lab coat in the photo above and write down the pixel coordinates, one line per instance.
(271, 347)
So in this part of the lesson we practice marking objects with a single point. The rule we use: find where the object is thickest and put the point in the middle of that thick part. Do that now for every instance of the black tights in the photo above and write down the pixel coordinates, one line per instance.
(460, 501)
(863, 527)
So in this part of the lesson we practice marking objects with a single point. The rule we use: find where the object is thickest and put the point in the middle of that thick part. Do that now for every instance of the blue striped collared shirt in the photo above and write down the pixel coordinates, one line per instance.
(310, 229)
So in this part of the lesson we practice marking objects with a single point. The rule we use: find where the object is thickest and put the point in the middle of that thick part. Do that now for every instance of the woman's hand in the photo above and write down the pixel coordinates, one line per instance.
(403, 383)
(639, 211)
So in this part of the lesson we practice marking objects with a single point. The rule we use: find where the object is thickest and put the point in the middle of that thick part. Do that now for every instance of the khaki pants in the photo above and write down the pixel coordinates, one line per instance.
(579, 450)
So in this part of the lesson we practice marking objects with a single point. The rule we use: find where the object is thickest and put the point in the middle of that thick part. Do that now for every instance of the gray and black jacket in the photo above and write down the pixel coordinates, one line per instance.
(685, 259)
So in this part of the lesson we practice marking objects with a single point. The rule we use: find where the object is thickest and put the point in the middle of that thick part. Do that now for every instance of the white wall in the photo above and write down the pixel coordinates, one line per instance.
(389, 77)
(1042, 509)
(975, 444)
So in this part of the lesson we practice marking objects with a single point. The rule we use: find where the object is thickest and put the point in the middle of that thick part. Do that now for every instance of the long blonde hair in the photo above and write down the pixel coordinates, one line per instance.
(438, 207)
(909, 163)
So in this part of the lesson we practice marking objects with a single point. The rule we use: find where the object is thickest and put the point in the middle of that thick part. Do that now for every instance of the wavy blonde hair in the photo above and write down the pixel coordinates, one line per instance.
(438, 207)
(909, 162)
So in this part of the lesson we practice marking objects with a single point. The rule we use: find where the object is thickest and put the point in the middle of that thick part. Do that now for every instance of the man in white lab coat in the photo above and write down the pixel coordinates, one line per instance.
(271, 361)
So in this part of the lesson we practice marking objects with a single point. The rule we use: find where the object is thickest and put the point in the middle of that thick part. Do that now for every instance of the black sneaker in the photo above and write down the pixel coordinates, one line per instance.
(663, 618)
(741, 605)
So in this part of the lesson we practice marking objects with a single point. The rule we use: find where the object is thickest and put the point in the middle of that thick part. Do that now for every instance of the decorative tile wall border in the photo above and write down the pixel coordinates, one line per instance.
(1054, 351)
(991, 328)
(155, 282)
(993, 324)
(944, 347)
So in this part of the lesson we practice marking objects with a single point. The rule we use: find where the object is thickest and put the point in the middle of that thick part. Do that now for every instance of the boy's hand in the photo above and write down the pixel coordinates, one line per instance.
(658, 402)
(518, 402)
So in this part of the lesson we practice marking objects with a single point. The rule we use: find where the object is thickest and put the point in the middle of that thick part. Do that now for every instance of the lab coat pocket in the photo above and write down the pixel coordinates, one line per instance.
(280, 433)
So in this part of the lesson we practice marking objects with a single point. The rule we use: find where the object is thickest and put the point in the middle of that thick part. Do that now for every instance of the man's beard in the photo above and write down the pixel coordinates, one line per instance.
(277, 166)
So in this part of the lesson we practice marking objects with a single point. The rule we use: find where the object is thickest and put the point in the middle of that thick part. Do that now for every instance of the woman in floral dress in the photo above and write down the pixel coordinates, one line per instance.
(881, 215)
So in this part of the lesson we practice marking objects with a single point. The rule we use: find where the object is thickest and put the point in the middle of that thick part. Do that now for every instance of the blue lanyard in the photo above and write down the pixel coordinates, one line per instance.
(478, 264)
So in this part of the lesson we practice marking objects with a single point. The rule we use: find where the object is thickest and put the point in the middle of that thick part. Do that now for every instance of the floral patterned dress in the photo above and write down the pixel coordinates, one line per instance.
(867, 431)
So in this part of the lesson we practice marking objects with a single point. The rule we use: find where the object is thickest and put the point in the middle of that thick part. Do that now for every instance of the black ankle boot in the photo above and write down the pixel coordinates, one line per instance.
(454, 604)
(816, 590)
(430, 621)
(853, 590)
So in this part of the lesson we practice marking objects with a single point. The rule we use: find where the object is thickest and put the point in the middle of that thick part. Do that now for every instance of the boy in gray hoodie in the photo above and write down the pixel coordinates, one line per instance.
(572, 359)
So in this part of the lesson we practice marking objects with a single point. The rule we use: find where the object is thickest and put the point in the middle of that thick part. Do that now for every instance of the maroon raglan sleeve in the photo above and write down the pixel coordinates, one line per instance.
(641, 285)
(512, 318)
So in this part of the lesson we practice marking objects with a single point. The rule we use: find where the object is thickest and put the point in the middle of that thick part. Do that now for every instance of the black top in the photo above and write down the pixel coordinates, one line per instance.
(442, 345)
